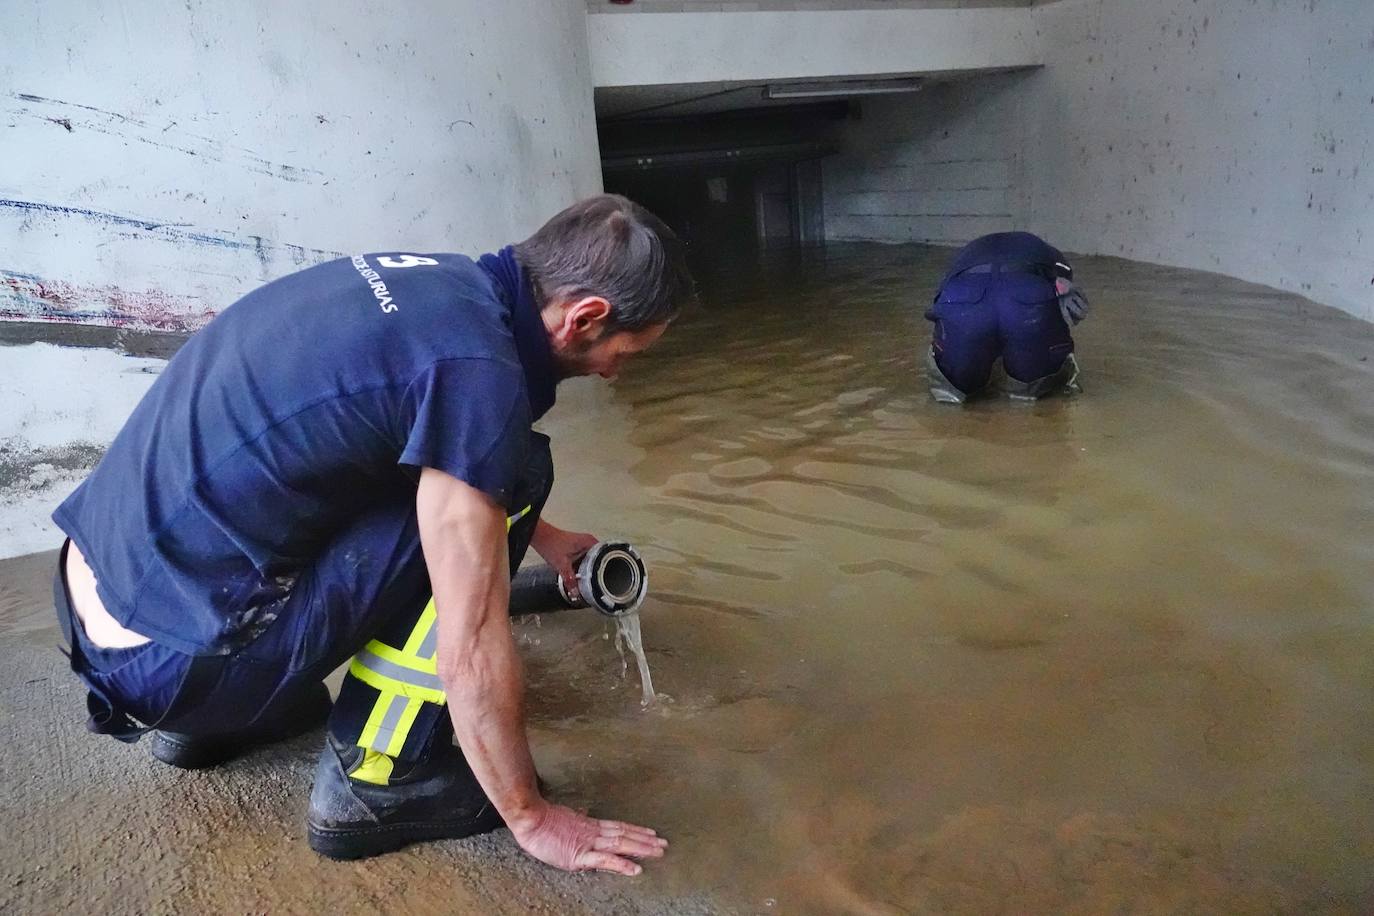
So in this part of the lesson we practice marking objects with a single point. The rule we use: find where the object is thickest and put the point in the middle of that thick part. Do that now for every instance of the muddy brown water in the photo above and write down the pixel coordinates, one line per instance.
(1110, 653)
(1100, 652)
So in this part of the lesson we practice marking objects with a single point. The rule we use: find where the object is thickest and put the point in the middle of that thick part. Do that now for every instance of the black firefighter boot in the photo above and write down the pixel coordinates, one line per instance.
(434, 799)
(297, 715)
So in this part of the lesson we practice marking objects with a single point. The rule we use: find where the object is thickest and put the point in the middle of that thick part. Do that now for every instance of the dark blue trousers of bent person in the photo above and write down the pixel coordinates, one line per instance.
(365, 601)
(997, 310)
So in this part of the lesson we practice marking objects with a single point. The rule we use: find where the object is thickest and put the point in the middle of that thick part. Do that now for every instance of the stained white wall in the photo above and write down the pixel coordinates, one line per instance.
(1222, 135)
(61, 405)
(161, 158)
(1230, 136)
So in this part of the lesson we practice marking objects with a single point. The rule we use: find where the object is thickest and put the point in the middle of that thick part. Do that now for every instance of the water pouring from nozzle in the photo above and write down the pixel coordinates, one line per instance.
(611, 578)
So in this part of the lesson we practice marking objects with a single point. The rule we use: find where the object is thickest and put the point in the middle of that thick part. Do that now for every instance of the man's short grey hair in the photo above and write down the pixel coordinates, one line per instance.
(611, 247)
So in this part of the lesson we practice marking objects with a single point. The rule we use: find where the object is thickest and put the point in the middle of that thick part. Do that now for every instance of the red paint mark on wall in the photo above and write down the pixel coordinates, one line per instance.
(30, 298)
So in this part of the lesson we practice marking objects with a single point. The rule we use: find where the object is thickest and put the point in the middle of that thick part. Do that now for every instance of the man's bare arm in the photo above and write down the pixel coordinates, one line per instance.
(463, 533)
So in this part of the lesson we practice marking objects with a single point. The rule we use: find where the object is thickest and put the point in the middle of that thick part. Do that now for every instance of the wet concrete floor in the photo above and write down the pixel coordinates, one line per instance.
(1110, 653)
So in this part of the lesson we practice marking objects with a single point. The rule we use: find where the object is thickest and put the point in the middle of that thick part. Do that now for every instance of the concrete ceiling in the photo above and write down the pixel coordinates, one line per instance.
(682, 100)
(678, 100)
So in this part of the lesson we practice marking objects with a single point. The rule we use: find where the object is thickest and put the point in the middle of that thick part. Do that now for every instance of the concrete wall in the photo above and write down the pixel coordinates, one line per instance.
(1213, 134)
(62, 406)
(1230, 136)
(162, 158)
(943, 165)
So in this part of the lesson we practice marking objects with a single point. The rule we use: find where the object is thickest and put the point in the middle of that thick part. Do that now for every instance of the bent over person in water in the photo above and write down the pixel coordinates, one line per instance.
(1007, 296)
(341, 466)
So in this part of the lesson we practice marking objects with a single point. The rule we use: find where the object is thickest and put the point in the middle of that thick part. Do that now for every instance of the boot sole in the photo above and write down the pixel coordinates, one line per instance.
(195, 755)
(200, 753)
(347, 843)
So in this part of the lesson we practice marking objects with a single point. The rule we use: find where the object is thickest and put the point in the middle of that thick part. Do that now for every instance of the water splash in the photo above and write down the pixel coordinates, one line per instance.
(627, 633)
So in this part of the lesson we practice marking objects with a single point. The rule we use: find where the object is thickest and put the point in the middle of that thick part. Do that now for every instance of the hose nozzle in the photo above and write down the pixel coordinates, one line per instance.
(610, 577)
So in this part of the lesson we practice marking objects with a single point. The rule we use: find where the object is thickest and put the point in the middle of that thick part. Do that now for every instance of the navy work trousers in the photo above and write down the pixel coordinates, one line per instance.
(366, 598)
(987, 313)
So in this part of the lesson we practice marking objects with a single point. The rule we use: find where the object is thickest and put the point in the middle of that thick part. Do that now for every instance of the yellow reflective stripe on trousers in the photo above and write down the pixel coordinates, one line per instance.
(403, 678)
(396, 679)
(389, 724)
(375, 768)
(423, 627)
(417, 669)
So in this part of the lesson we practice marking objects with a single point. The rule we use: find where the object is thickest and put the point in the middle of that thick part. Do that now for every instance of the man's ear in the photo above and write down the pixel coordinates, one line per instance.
(586, 318)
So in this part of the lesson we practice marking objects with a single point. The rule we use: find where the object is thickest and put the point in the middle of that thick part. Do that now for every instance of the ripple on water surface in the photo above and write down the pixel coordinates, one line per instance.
(1083, 655)
(1072, 653)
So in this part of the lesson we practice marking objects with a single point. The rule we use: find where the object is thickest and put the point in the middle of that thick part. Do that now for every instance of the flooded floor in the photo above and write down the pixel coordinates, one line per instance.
(1112, 653)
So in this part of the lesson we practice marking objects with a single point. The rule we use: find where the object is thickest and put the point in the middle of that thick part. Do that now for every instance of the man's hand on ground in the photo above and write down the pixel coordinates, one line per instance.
(561, 550)
(571, 841)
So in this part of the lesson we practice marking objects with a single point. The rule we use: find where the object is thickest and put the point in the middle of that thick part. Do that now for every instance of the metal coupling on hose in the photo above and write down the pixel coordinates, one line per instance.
(612, 578)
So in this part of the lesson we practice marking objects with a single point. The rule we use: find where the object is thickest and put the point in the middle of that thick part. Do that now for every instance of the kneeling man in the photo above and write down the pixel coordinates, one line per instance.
(341, 466)
(1007, 296)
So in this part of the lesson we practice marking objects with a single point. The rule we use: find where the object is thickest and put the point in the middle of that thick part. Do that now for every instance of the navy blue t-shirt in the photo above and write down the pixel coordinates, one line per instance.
(295, 410)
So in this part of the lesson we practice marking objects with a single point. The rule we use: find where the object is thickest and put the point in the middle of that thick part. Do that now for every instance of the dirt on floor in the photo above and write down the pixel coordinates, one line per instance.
(101, 827)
